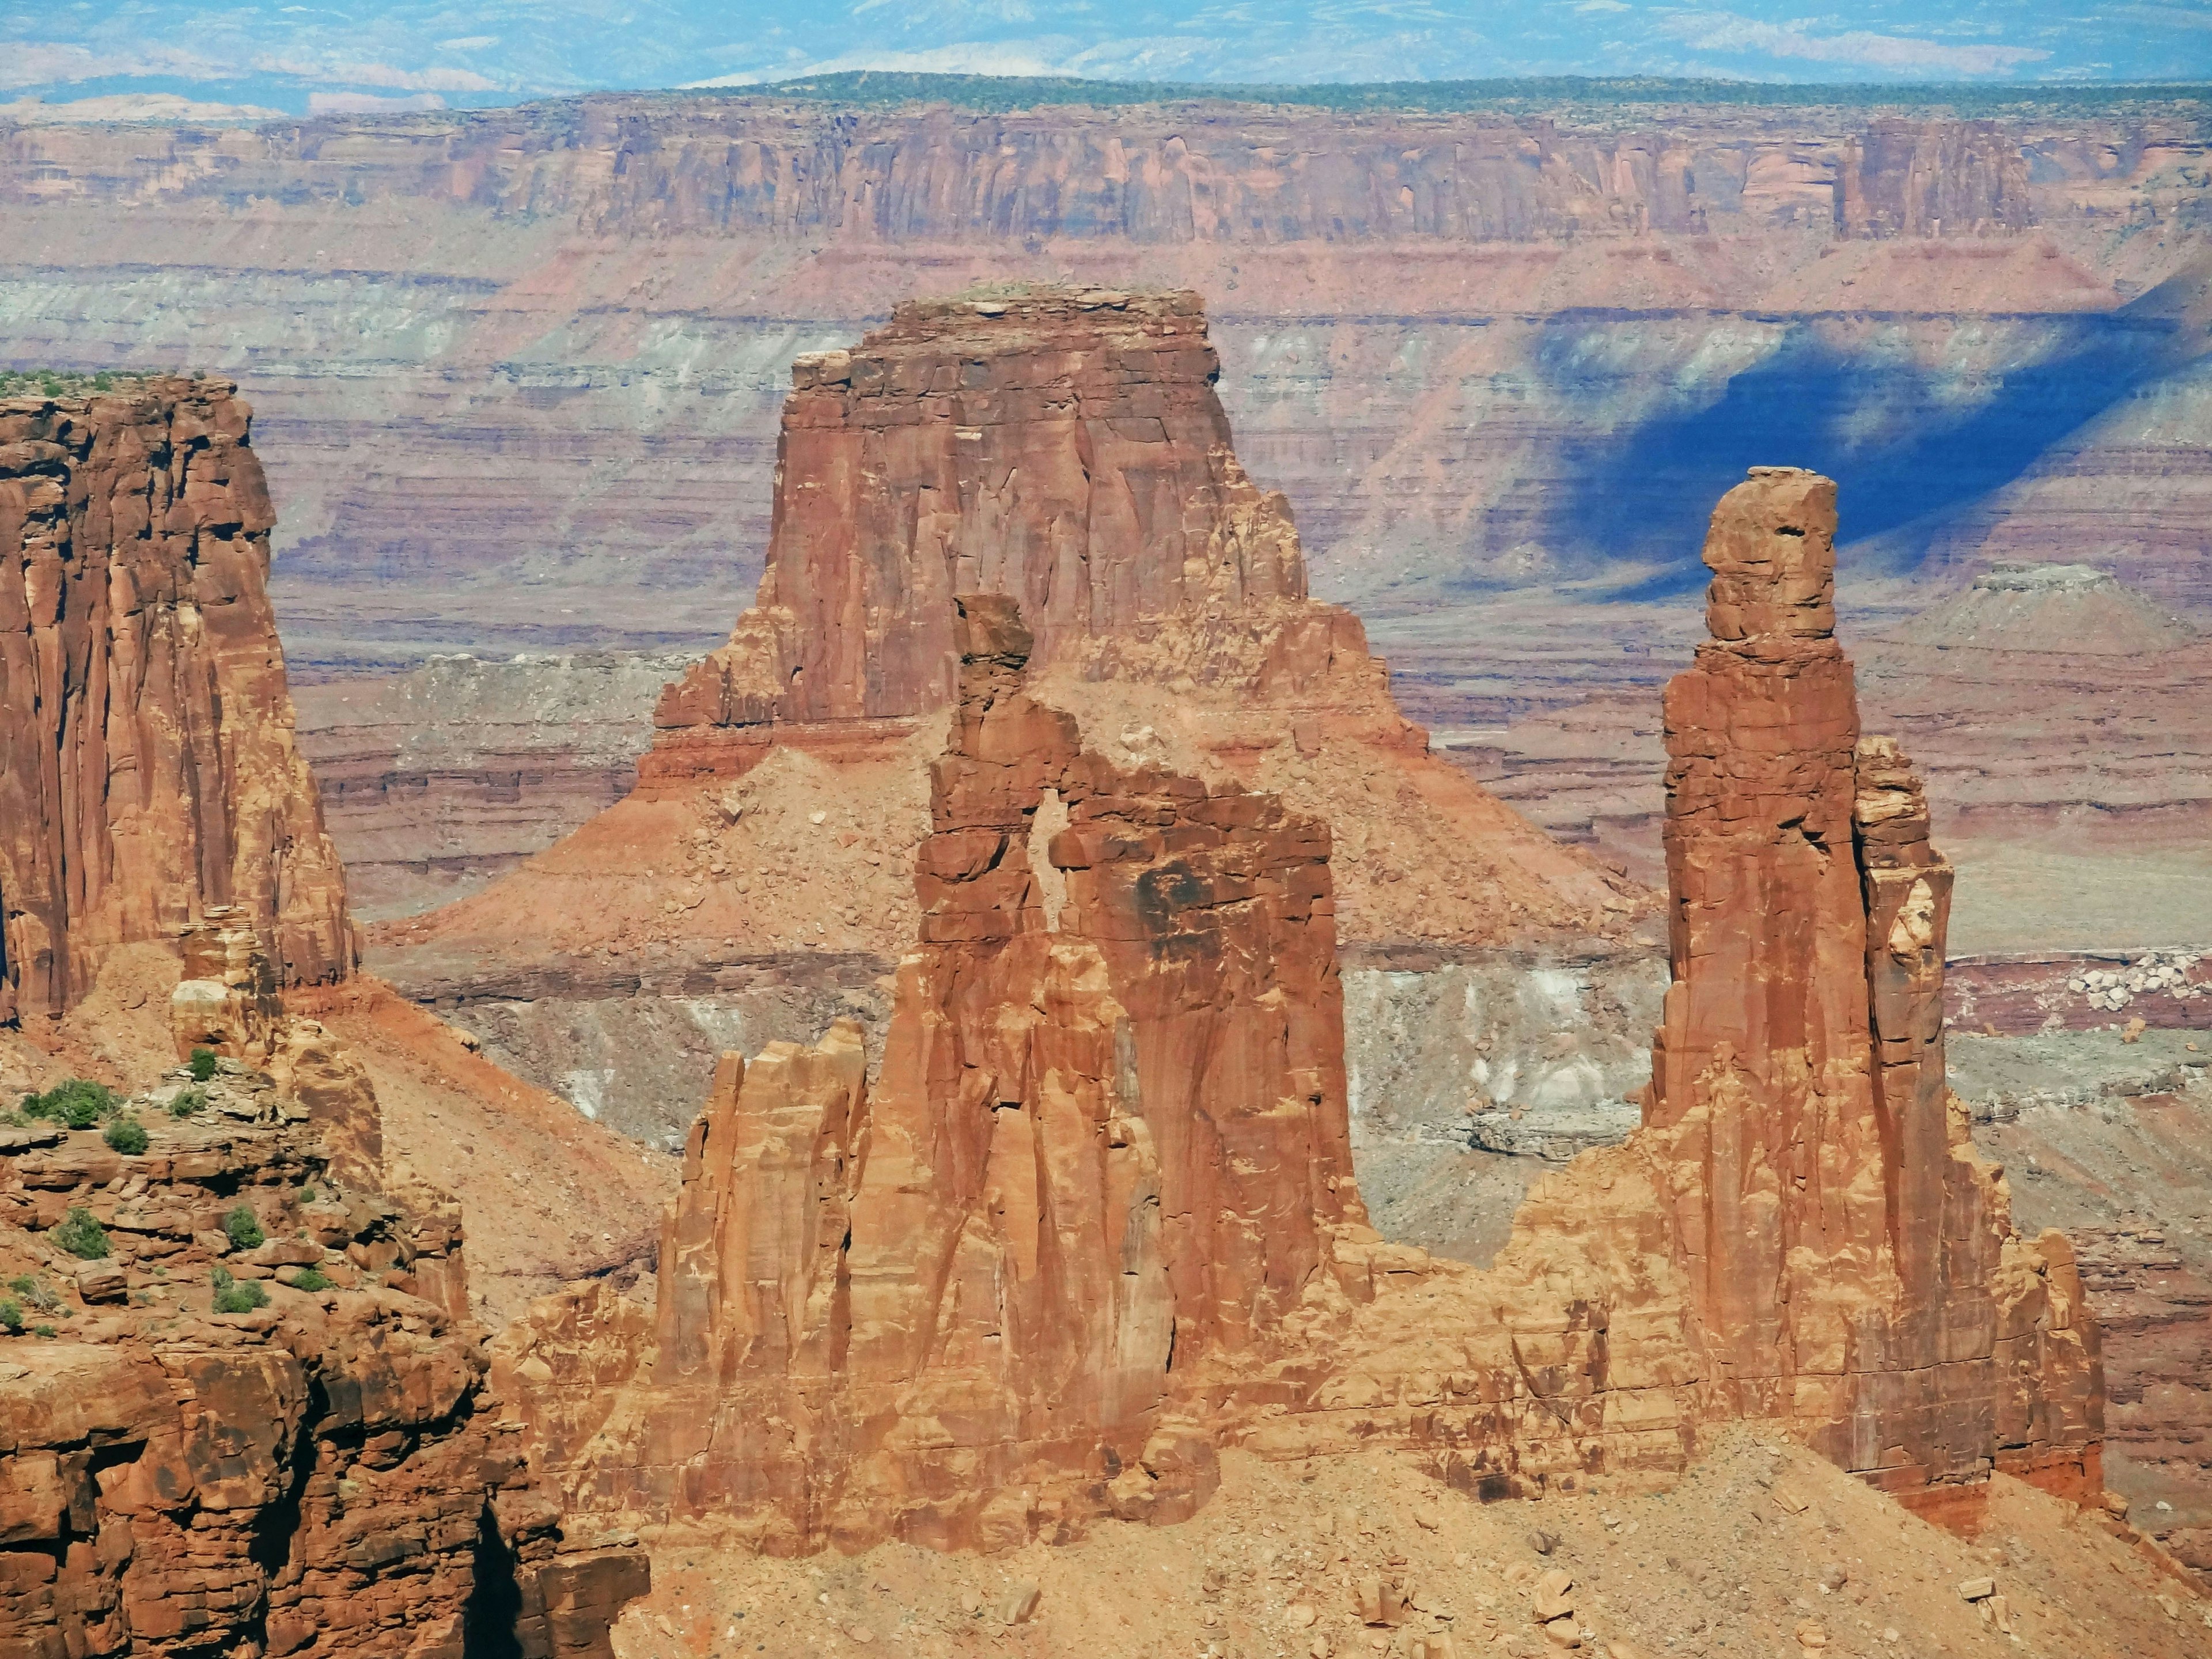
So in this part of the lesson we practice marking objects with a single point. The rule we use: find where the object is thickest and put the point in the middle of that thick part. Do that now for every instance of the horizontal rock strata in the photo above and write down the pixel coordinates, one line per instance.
(147, 763)
(310, 1472)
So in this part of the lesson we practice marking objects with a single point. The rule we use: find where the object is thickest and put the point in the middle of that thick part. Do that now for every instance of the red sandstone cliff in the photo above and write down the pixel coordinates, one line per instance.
(882, 1311)
(1066, 447)
(147, 765)
(1108, 1140)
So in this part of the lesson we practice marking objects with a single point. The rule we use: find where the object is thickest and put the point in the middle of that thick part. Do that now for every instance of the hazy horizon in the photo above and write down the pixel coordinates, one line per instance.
(396, 53)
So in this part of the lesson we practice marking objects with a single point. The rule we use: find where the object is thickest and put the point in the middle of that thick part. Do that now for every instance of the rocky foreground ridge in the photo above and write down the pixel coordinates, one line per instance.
(881, 1311)
(147, 769)
(242, 1406)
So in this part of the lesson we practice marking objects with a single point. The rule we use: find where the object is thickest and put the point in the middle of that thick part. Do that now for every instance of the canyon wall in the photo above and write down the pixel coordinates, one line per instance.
(527, 364)
(521, 354)
(147, 749)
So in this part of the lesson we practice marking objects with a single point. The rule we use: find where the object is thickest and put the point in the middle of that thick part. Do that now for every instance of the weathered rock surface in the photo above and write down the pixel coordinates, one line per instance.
(1064, 447)
(1851, 1258)
(1109, 1129)
(313, 1475)
(1067, 448)
(147, 770)
(1143, 1010)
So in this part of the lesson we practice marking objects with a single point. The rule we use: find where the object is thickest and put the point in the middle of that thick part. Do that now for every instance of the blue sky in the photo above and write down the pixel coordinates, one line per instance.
(280, 54)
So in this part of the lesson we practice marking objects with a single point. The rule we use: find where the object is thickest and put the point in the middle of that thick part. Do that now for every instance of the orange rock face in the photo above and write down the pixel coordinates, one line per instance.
(147, 766)
(1108, 1140)
(1064, 448)
(1851, 1261)
(313, 1475)
(1094, 1218)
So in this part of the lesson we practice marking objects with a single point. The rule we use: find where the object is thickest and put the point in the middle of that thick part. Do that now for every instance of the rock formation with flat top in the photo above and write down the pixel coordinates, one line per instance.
(1065, 447)
(147, 766)
(1094, 1218)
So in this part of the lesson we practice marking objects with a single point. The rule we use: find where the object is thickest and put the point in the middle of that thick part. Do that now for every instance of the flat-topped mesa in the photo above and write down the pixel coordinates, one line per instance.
(1063, 447)
(1109, 1142)
(1853, 1262)
(148, 771)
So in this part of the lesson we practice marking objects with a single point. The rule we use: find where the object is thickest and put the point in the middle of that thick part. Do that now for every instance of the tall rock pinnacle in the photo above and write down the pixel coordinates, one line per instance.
(1846, 1244)
(147, 772)
(1107, 1144)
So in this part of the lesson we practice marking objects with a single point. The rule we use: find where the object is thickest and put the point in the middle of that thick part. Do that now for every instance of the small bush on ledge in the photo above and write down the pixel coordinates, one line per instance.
(243, 1228)
(233, 1296)
(80, 1235)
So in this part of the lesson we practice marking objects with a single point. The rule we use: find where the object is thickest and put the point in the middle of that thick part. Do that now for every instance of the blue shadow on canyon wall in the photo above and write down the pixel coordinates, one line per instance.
(1911, 444)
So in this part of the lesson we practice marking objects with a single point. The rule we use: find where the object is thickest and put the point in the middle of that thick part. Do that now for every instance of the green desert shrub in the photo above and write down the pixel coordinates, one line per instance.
(127, 1135)
(188, 1101)
(80, 1235)
(243, 1228)
(11, 1316)
(35, 1291)
(202, 1064)
(309, 1279)
(47, 1331)
(240, 1297)
(78, 1103)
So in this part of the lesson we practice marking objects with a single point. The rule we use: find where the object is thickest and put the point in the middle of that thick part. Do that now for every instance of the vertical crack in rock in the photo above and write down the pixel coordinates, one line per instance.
(147, 770)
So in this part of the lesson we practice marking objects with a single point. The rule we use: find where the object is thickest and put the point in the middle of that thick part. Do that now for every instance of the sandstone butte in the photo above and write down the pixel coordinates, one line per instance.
(147, 763)
(1094, 1219)
(314, 1470)
(1066, 447)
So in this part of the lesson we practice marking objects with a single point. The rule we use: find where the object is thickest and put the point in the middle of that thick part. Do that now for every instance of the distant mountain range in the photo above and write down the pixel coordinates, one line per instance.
(426, 53)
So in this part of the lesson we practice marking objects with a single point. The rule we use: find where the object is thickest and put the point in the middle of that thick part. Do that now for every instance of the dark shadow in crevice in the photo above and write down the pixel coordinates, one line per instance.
(488, 1627)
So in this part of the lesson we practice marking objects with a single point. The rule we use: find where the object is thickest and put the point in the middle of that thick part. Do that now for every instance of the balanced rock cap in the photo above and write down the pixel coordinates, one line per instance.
(1772, 553)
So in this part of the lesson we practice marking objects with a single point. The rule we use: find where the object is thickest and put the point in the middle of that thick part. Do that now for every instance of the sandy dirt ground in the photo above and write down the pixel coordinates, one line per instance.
(1762, 1550)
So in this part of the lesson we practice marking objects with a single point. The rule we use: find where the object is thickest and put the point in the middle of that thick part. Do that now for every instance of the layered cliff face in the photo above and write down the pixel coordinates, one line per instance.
(1063, 447)
(147, 764)
(1119, 1047)
(242, 1410)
